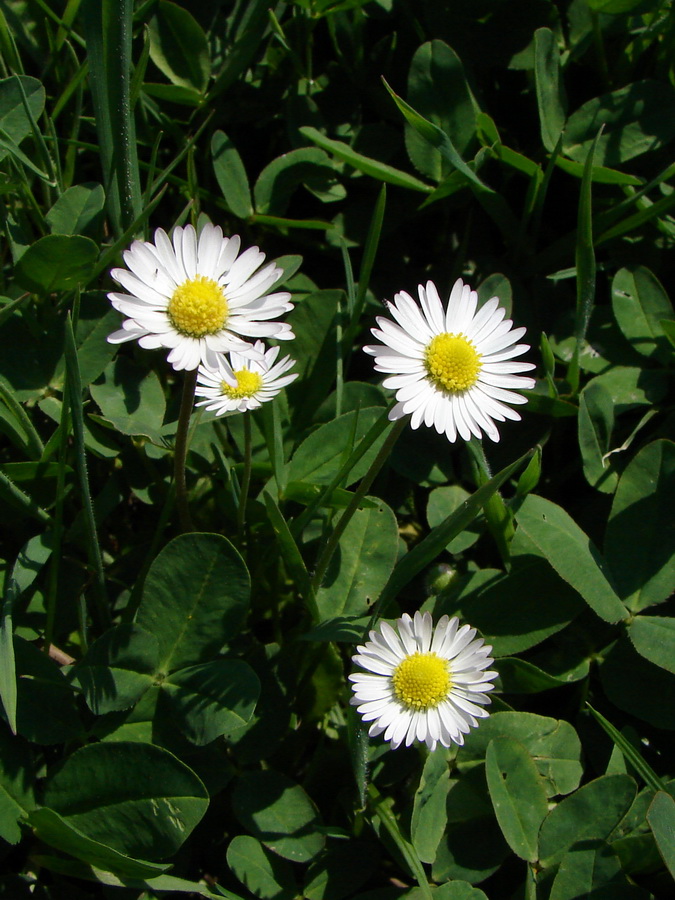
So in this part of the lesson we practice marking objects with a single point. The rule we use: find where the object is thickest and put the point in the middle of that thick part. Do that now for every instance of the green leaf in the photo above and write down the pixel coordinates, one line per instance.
(14, 122)
(277, 182)
(517, 793)
(596, 423)
(279, 813)
(264, 874)
(638, 686)
(17, 779)
(571, 554)
(630, 754)
(57, 262)
(77, 209)
(374, 168)
(640, 535)
(551, 100)
(637, 118)
(640, 304)
(212, 699)
(131, 399)
(362, 563)
(588, 868)
(430, 817)
(195, 597)
(591, 813)
(458, 890)
(148, 813)
(661, 818)
(58, 832)
(178, 47)
(654, 638)
(340, 870)
(231, 175)
(553, 745)
(443, 501)
(117, 669)
(518, 676)
(437, 87)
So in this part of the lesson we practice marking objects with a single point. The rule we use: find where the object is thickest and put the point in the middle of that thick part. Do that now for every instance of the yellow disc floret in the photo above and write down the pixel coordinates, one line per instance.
(198, 307)
(422, 680)
(248, 383)
(452, 363)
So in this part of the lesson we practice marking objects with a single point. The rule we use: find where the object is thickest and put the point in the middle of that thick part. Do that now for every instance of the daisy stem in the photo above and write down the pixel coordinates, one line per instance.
(331, 544)
(181, 448)
(382, 810)
(245, 480)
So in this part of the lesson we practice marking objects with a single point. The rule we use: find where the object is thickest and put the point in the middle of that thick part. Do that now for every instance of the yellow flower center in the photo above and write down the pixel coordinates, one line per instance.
(452, 363)
(247, 384)
(422, 680)
(198, 307)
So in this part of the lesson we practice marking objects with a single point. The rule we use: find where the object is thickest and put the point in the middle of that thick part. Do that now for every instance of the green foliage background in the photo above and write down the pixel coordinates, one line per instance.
(190, 732)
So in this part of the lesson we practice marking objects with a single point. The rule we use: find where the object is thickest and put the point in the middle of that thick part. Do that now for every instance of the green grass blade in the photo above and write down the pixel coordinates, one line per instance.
(291, 554)
(34, 446)
(15, 497)
(631, 755)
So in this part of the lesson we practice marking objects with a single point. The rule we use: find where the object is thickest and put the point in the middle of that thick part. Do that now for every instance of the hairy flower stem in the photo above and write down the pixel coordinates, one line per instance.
(245, 480)
(181, 448)
(344, 520)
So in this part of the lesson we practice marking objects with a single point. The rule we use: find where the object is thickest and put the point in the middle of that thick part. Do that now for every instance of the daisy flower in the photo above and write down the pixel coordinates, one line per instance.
(422, 683)
(197, 296)
(451, 368)
(245, 382)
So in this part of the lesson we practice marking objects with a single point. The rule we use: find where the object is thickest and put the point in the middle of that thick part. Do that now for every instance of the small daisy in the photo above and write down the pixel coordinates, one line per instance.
(427, 684)
(453, 368)
(197, 296)
(245, 382)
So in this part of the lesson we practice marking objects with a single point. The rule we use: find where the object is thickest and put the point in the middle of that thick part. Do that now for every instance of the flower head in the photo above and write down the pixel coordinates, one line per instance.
(197, 296)
(422, 683)
(451, 368)
(245, 382)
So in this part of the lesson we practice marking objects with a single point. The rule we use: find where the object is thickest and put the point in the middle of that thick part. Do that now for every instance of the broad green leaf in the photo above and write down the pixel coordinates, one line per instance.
(318, 459)
(117, 669)
(638, 686)
(147, 813)
(595, 424)
(430, 817)
(553, 745)
(637, 118)
(231, 175)
(589, 869)
(470, 851)
(631, 386)
(340, 870)
(442, 502)
(362, 563)
(668, 326)
(591, 813)
(277, 182)
(17, 780)
(264, 874)
(195, 597)
(77, 209)
(654, 638)
(178, 47)
(571, 554)
(46, 710)
(640, 303)
(458, 890)
(279, 813)
(661, 818)
(614, 7)
(378, 170)
(57, 262)
(550, 91)
(131, 399)
(640, 535)
(518, 676)
(518, 794)
(58, 832)
(14, 122)
(437, 88)
(209, 700)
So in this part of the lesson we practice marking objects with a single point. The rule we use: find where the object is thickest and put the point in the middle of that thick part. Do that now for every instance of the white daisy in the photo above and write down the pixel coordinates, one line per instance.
(451, 368)
(245, 382)
(197, 296)
(426, 684)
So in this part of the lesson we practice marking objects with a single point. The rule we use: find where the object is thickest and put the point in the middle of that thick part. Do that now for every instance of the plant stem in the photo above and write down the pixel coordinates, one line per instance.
(245, 480)
(334, 539)
(181, 448)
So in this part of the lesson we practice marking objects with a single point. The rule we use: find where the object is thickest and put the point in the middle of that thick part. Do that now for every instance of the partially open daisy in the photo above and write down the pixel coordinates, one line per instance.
(423, 684)
(245, 381)
(451, 368)
(197, 296)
